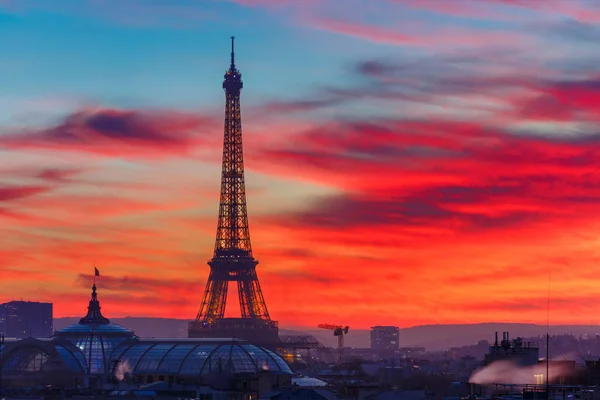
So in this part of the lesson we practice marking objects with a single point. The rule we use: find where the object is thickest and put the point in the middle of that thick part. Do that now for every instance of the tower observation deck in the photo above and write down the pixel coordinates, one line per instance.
(232, 259)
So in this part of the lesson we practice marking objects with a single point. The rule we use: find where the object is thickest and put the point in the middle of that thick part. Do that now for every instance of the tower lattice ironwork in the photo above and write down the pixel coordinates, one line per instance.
(232, 260)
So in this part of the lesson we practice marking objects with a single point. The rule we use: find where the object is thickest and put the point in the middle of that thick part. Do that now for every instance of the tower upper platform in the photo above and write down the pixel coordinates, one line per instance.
(232, 82)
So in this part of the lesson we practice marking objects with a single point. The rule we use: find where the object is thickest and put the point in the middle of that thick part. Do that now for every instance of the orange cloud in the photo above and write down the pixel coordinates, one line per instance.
(403, 220)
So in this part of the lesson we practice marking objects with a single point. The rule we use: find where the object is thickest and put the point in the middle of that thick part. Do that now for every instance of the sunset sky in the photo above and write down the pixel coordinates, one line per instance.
(407, 161)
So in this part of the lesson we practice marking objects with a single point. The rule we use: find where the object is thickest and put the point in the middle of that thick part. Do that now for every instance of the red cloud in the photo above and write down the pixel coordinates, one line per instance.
(417, 191)
(57, 175)
(577, 100)
(18, 192)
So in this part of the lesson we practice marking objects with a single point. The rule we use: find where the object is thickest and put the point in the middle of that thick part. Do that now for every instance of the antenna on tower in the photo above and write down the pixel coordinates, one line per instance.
(232, 66)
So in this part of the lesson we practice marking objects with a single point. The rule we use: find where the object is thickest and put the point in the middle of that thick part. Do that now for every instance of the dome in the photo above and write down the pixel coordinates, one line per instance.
(198, 357)
(95, 336)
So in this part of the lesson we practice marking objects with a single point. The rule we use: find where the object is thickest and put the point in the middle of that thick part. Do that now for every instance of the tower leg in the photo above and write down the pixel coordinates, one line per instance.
(252, 303)
(215, 298)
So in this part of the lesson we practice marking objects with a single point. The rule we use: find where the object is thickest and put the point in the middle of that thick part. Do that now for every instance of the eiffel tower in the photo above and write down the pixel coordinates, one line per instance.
(232, 260)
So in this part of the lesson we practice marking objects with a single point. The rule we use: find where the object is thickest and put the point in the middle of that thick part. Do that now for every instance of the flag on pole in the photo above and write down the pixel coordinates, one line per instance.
(96, 272)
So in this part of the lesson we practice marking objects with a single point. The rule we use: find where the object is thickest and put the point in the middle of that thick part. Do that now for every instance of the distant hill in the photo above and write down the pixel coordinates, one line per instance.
(432, 337)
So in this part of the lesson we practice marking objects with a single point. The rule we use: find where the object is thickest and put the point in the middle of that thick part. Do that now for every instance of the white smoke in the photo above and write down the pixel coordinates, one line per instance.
(511, 373)
(265, 365)
(122, 368)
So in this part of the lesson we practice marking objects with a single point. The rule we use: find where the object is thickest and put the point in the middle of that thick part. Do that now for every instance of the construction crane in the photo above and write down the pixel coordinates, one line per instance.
(339, 331)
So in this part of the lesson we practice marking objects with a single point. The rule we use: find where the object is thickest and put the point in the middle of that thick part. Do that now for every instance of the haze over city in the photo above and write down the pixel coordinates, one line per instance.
(407, 162)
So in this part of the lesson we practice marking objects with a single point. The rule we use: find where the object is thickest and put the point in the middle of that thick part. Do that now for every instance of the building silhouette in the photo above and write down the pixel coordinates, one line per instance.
(22, 319)
(232, 259)
(516, 351)
(385, 338)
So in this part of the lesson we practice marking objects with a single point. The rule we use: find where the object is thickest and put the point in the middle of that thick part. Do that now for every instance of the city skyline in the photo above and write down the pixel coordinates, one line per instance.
(409, 162)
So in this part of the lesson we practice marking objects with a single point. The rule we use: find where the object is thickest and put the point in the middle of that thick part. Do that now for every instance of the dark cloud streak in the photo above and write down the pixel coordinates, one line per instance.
(10, 193)
(123, 133)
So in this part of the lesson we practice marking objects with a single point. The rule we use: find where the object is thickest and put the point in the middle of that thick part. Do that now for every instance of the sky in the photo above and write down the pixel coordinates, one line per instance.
(407, 162)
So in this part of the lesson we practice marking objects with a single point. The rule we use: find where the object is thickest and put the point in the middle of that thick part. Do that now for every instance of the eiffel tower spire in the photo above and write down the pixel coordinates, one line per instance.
(232, 65)
(232, 259)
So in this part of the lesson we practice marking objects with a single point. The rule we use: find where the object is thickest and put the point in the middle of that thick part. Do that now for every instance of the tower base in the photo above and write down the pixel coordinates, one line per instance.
(256, 331)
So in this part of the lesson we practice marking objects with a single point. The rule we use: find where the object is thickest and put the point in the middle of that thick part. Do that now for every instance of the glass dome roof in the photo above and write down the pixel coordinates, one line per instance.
(94, 322)
(95, 336)
(198, 357)
(96, 329)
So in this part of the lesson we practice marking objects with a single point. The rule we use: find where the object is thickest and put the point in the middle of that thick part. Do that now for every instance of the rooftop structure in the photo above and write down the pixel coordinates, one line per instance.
(518, 351)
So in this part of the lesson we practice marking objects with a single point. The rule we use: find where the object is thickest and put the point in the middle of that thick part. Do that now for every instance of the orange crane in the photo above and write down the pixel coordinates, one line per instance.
(339, 331)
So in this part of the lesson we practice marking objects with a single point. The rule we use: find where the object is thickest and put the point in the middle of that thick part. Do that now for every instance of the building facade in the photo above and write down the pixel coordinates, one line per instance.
(385, 338)
(23, 319)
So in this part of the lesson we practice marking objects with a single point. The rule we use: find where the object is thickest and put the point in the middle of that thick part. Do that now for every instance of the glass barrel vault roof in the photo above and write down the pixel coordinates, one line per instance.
(177, 357)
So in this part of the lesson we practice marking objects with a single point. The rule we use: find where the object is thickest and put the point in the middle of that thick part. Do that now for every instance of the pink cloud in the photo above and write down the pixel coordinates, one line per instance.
(584, 11)
(580, 10)
(434, 38)
(457, 8)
